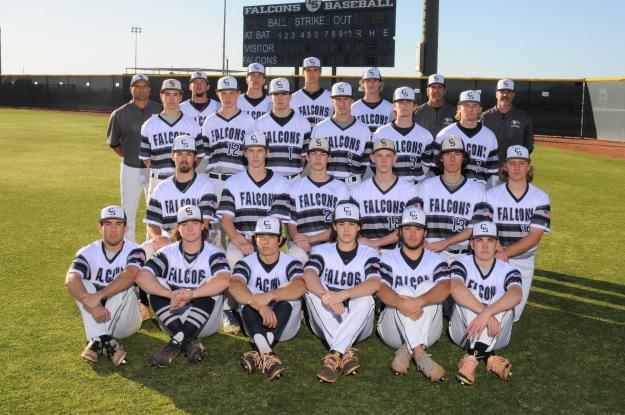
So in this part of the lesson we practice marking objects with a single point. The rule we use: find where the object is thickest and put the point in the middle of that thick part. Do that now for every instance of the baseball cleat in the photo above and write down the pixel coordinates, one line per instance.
(350, 363)
(500, 366)
(164, 357)
(429, 367)
(230, 322)
(194, 349)
(251, 361)
(92, 351)
(328, 372)
(401, 362)
(272, 366)
(466, 369)
(115, 351)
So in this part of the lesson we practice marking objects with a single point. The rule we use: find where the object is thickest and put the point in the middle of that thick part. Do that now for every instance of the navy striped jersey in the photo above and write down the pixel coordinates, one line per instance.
(254, 107)
(313, 203)
(199, 112)
(449, 212)
(157, 139)
(413, 147)
(381, 210)
(373, 115)
(315, 107)
(170, 195)
(486, 288)
(262, 278)
(247, 200)
(397, 270)
(514, 217)
(287, 139)
(92, 264)
(342, 270)
(350, 147)
(223, 142)
(176, 269)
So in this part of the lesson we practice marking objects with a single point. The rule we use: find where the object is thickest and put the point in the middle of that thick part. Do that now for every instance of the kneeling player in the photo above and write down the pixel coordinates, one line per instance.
(485, 290)
(185, 281)
(101, 280)
(415, 283)
(340, 280)
(269, 286)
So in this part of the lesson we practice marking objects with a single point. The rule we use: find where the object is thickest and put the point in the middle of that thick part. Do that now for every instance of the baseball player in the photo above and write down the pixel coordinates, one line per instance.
(101, 281)
(349, 138)
(415, 282)
(200, 106)
(436, 113)
(485, 290)
(413, 143)
(186, 281)
(341, 278)
(312, 101)
(269, 286)
(124, 137)
(382, 199)
(522, 213)
(313, 200)
(511, 125)
(372, 109)
(287, 132)
(255, 102)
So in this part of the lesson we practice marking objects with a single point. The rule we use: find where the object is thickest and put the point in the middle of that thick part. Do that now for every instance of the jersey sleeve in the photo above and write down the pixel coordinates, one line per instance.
(366, 156)
(113, 132)
(513, 277)
(208, 206)
(434, 150)
(458, 270)
(80, 265)
(492, 161)
(292, 210)
(307, 130)
(154, 212)
(386, 273)
(136, 258)
(226, 204)
(281, 205)
(145, 151)
(218, 263)
(315, 262)
(441, 272)
(199, 141)
(372, 267)
(158, 265)
(541, 218)
(295, 269)
(243, 271)
(427, 158)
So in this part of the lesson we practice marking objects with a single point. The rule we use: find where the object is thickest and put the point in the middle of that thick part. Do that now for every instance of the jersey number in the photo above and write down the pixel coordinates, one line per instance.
(349, 159)
(393, 222)
(327, 213)
(233, 149)
(413, 162)
(458, 225)
(525, 229)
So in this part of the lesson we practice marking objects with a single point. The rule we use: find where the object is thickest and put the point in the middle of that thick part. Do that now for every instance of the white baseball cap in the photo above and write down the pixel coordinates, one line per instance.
(254, 139)
(319, 144)
(404, 93)
(139, 77)
(383, 144)
(311, 62)
(183, 142)
(484, 229)
(256, 68)
(341, 89)
(171, 84)
(372, 73)
(227, 82)
(436, 79)
(279, 86)
(469, 96)
(198, 75)
(517, 152)
(189, 212)
(346, 212)
(452, 143)
(413, 216)
(112, 212)
(505, 84)
(268, 225)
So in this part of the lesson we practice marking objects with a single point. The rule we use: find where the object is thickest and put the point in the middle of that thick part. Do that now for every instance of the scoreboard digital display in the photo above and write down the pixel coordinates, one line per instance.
(342, 33)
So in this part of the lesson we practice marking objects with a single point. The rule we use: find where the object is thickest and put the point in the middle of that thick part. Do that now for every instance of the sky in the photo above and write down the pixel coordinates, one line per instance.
(479, 38)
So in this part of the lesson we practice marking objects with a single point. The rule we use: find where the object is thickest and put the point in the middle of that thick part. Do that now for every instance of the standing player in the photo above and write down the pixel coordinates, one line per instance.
(255, 102)
(200, 105)
(522, 213)
(312, 101)
(186, 281)
(436, 113)
(270, 285)
(100, 279)
(124, 137)
(372, 109)
(415, 283)
(485, 290)
(413, 143)
(349, 138)
(287, 132)
(341, 278)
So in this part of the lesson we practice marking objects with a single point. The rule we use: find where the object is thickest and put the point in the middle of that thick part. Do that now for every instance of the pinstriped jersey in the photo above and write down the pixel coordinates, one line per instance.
(223, 142)
(486, 288)
(350, 147)
(157, 139)
(342, 270)
(315, 107)
(313, 203)
(175, 269)
(514, 217)
(170, 195)
(254, 107)
(373, 115)
(262, 278)
(93, 265)
(200, 112)
(413, 147)
(397, 270)
(287, 138)
(247, 200)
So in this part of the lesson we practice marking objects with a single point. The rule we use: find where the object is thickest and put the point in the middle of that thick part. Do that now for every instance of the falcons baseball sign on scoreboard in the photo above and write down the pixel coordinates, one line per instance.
(339, 32)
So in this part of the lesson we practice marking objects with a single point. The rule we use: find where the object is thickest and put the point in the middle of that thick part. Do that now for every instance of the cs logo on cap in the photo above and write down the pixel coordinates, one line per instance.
(484, 227)
(404, 93)
(318, 141)
(184, 142)
(111, 211)
(226, 82)
(414, 214)
(437, 78)
(279, 84)
(470, 95)
(311, 61)
(347, 210)
(172, 83)
(267, 224)
(518, 152)
(189, 210)
(253, 139)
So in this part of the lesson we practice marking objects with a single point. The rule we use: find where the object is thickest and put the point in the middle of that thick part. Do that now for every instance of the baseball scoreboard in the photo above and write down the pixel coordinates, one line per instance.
(339, 32)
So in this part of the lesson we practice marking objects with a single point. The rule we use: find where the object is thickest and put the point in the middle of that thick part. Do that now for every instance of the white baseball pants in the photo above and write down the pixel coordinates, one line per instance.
(462, 316)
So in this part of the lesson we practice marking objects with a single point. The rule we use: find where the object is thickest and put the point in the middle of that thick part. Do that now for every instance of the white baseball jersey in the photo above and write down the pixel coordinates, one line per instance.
(199, 112)
(93, 265)
(413, 147)
(287, 139)
(339, 270)
(397, 270)
(262, 278)
(514, 217)
(350, 147)
(486, 288)
(247, 200)
(381, 210)
(313, 203)
(254, 107)
(373, 115)
(157, 138)
(170, 195)
(315, 107)
(176, 269)
(223, 142)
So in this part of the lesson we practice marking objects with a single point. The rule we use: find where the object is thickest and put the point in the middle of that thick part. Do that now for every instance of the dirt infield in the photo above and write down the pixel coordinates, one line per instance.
(601, 148)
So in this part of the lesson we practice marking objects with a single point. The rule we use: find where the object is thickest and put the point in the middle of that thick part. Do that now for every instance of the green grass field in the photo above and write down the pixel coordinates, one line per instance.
(568, 350)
